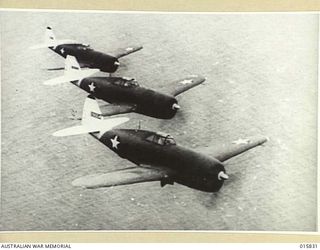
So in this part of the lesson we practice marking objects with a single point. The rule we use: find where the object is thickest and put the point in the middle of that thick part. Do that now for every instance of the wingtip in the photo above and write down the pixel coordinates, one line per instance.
(83, 182)
(77, 183)
(203, 79)
(57, 134)
(264, 139)
(46, 83)
(200, 78)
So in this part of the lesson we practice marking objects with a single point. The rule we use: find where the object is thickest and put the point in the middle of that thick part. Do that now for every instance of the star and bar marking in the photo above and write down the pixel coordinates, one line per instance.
(92, 87)
(186, 81)
(241, 141)
(115, 142)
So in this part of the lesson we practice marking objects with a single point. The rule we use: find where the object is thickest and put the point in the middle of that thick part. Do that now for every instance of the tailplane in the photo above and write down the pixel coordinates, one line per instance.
(72, 72)
(92, 121)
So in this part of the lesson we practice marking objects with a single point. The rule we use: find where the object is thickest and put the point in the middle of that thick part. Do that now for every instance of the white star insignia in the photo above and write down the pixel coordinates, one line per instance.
(62, 51)
(241, 141)
(115, 142)
(92, 87)
(129, 49)
(186, 81)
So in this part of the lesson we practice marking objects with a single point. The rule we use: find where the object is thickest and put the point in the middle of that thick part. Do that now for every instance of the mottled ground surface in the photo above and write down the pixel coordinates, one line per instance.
(261, 74)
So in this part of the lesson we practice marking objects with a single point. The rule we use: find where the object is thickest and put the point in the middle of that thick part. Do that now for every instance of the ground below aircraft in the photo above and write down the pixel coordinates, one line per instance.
(156, 156)
(125, 95)
(86, 56)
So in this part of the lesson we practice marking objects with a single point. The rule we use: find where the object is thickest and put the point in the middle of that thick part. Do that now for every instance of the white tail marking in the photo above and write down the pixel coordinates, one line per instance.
(71, 65)
(92, 121)
(72, 72)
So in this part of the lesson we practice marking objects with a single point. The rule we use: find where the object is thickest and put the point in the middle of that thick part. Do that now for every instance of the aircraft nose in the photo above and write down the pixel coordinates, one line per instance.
(116, 63)
(175, 106)
(222, 176)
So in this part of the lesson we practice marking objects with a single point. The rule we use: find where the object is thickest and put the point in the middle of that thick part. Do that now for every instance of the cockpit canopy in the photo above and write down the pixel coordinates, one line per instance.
(83, 46)
(126, 82)
(161, 139)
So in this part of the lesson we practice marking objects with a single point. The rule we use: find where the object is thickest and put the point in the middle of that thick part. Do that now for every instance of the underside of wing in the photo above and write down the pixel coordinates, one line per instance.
(116, 109)
(226, 151)
(182, 85)
(121, 177)
(126, 51)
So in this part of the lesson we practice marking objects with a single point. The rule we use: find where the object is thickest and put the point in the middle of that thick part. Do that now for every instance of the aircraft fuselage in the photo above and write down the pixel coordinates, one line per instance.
(88, 56)
(192, 169)
(119, 90)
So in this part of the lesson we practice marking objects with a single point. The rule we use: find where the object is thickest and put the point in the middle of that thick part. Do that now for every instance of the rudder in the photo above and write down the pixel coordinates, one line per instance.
(91, 111)
(49, 36)
(71, 65)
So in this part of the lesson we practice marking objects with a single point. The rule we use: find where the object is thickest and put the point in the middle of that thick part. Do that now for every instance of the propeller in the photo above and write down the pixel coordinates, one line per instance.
(222, 176)
(175, 106)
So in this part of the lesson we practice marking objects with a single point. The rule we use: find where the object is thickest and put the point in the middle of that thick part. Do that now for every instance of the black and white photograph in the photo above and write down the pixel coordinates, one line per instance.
(159, 121)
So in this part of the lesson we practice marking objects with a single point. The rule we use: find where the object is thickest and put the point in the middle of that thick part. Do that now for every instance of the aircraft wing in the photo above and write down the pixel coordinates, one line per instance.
(121, 177)
(116, 109)
(182, 85)
(126, 51)
(229, 150)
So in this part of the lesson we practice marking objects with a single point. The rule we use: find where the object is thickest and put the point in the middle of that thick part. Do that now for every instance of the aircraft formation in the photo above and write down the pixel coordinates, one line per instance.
(155, 155)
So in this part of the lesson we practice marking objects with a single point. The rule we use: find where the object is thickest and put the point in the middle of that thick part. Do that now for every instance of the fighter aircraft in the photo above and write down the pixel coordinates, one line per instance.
(86, 56)
(156, 156)
(123, 94)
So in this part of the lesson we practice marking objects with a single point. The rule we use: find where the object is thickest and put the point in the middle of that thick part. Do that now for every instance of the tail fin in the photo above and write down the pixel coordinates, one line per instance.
(72, 72)
(51, 41)
(71, 65)
(92, 121)
(49, 36)
(91, 111)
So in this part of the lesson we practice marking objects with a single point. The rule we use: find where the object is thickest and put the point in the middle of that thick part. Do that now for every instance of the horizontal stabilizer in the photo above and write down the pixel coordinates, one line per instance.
(182, 85)
(75, 76)
(99, 125)
(53, 43)
(127, 51)
(76, 130)
(120, 177)
(228, 150)
(53, 69)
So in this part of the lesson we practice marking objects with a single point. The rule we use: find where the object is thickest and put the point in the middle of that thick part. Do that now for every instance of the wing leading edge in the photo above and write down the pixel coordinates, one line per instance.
(121, 177)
